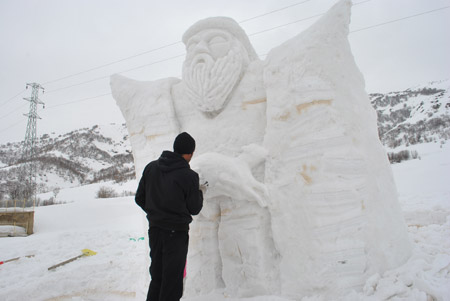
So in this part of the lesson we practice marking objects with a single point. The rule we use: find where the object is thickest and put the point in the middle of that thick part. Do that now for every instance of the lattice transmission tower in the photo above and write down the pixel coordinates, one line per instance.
(29, 144)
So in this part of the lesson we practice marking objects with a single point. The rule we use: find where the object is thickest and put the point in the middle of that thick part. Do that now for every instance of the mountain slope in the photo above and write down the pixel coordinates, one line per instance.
(80, 157)
(417, 115)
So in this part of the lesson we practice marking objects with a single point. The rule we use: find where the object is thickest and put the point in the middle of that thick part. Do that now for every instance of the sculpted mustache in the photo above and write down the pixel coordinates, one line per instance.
(202, 58)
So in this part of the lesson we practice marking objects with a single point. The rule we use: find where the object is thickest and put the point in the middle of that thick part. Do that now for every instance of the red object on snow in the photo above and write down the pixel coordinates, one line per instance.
(14, 259)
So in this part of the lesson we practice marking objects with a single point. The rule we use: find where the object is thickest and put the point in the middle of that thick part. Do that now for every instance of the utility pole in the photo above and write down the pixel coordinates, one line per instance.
(29, 143)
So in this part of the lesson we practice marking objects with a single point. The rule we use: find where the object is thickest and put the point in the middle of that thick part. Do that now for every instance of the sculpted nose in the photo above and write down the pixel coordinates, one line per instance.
(201, 47)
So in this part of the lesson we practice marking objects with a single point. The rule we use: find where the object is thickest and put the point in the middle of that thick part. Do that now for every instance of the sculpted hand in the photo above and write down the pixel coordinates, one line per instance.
(230, 177)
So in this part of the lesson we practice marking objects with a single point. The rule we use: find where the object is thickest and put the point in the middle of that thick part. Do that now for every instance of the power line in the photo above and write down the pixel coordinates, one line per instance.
(252, 34)
(174, 57)
(58, 105)
(78, 100)
(273, 28)
(13, 111)
(9, 99)
(362, 2)
(146, 65)
(15, 124)
(273, 11)
(286, 24)
(153, 63)
(162, 47)
(124, 71)
(300, 20)
(167, 59)
(112, 63)
(79, 84)
(178, 42)
(401, 19)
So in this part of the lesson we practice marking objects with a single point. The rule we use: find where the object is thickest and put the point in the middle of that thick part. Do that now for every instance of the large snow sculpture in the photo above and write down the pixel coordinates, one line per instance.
(301, 194)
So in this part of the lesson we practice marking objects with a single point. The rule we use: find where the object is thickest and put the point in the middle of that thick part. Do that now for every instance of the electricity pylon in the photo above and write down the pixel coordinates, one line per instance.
(29, 143)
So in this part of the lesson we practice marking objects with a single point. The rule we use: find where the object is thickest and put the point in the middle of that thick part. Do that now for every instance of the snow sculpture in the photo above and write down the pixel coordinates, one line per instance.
(301, 194)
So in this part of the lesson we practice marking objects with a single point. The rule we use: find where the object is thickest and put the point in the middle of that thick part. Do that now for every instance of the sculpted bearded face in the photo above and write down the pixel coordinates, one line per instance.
(215, 62)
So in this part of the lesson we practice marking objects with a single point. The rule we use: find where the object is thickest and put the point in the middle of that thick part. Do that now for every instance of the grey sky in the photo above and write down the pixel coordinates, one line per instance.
(50, 39)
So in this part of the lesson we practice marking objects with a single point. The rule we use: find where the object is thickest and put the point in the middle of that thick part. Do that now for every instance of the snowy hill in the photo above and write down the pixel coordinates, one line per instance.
(83, 156)
(418, 115)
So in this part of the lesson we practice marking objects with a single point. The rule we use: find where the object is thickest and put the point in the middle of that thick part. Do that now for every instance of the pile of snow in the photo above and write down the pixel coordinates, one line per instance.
(7, 230)
(327, 166)
(110, 227)
(320, 175)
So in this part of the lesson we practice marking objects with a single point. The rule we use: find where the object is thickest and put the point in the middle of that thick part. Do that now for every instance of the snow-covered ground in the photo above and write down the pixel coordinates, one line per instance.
(114, 229)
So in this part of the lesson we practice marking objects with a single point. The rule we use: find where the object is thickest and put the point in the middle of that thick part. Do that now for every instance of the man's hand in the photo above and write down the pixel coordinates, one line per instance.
(204, 187)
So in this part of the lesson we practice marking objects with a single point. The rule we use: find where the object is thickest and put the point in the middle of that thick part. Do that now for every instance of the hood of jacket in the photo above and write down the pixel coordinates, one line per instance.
(169, 161)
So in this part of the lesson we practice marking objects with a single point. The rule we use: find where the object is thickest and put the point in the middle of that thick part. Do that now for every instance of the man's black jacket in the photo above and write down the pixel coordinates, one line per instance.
(169, 192)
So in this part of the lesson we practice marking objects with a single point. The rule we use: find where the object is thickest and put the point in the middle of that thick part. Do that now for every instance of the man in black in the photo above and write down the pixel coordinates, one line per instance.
(169, 193)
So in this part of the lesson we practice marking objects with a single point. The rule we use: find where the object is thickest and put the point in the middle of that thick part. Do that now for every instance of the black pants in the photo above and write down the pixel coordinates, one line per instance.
(168, 252)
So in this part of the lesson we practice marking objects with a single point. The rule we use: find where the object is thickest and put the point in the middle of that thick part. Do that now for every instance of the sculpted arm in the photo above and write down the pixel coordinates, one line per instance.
(232, 177)
(150, 116)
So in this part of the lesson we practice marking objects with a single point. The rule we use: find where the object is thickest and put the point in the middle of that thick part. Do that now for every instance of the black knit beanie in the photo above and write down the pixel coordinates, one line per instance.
(184, 144)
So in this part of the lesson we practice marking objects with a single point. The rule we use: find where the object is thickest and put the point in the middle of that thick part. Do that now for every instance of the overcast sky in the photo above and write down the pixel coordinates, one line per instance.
(47, 40)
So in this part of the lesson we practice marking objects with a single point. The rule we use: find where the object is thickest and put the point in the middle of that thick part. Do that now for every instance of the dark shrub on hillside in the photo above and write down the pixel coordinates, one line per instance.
(402, 156)
(106, 192)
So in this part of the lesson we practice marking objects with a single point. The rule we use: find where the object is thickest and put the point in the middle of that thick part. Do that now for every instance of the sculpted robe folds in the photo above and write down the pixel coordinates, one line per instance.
(301, 193)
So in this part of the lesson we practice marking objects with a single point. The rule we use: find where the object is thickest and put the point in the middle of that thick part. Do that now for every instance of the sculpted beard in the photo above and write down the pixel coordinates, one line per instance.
(209, 82)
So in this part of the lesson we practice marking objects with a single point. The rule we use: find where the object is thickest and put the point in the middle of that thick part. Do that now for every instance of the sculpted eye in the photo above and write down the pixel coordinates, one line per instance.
(217, 39)
(191, 45)
(219, 46)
